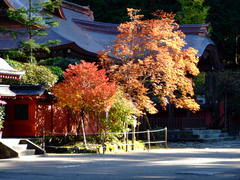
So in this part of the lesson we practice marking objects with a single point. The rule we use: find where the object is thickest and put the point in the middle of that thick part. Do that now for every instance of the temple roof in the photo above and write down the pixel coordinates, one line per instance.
(27, 90)
(6, 71)
(21, 90)
(23, 3)
(89, 36)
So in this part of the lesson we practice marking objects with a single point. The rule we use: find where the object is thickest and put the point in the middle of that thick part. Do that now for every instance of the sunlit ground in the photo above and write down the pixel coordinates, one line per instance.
(157, 164)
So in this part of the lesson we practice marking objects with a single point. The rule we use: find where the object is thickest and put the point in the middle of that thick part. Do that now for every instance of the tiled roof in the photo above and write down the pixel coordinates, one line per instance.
(91, 37)
(27, 90)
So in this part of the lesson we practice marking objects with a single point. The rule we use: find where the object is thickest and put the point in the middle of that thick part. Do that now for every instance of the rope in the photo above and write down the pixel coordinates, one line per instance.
(120, 133)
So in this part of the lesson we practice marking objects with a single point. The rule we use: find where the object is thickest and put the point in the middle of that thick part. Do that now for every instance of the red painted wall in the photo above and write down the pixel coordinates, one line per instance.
(47, 118)
(15, 128)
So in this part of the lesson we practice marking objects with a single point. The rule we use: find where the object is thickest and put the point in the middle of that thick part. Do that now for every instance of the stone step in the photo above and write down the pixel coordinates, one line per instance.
(224, 134)
(216, 135)
(27, 152)
(207, 131)
(197, 135)
(19, 147)
(218, 139)
(10, 142)
(183, 136)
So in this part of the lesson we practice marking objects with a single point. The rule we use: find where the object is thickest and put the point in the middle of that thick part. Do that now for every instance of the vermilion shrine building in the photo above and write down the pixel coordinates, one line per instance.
(7, 71)
(32, 112)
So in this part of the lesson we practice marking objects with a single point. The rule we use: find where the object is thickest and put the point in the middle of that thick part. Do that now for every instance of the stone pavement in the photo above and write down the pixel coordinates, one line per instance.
(173, 164)
(183, 161)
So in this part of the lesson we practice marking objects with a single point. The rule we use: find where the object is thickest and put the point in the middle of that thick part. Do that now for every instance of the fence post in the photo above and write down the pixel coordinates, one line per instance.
(166, 137)
(149, 139)
(43, 139)
(126, 141)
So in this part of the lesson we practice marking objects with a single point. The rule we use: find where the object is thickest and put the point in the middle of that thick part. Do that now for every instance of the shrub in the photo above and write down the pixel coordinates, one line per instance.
(58, 61)
(2, 116)
(57, 71)
(34, 74)
(122, 114)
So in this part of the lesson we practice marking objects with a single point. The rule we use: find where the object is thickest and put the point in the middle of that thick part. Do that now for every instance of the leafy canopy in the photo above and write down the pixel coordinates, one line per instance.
(36, 21)
(114, 11)
(85, 88)
(148, 59)
(122, 113)
(224, 17)
(34, 74)
(58, 61)
(192, 12)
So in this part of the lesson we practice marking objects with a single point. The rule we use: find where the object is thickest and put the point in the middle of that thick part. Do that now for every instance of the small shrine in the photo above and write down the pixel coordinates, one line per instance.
(6, 71)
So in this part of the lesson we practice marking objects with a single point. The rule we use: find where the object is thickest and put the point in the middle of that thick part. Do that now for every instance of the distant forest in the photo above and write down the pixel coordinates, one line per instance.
(223, 15)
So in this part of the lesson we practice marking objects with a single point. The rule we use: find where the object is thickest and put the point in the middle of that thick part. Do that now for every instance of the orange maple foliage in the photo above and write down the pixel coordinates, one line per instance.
(85, 88)
(149, 58)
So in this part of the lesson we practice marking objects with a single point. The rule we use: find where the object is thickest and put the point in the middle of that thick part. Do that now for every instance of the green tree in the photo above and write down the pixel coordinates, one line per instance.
(36, 22)
(192, 12)
(224, 17)
(199, 83)
(34, 74)
(122, 114)
(61, 62)
(115, 11)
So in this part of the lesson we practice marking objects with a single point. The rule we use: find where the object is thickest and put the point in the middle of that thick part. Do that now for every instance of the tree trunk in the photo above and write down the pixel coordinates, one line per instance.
(30, 30)
(82, 116)
(149, 125)
(84, 135)
(133, 137)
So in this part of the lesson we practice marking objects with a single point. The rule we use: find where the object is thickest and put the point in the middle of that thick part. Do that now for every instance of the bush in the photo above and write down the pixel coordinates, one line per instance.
(122, 114)
(2, 116)
(34, 74)
(13, 63)
(57, 71)
(37, 75)
(58, 61)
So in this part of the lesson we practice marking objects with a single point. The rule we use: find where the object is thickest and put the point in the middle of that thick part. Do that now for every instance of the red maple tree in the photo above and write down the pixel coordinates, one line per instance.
(85, 89)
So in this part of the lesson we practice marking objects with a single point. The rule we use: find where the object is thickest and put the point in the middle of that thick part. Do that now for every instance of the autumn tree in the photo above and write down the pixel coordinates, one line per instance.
(85, 89)
(149, 59)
